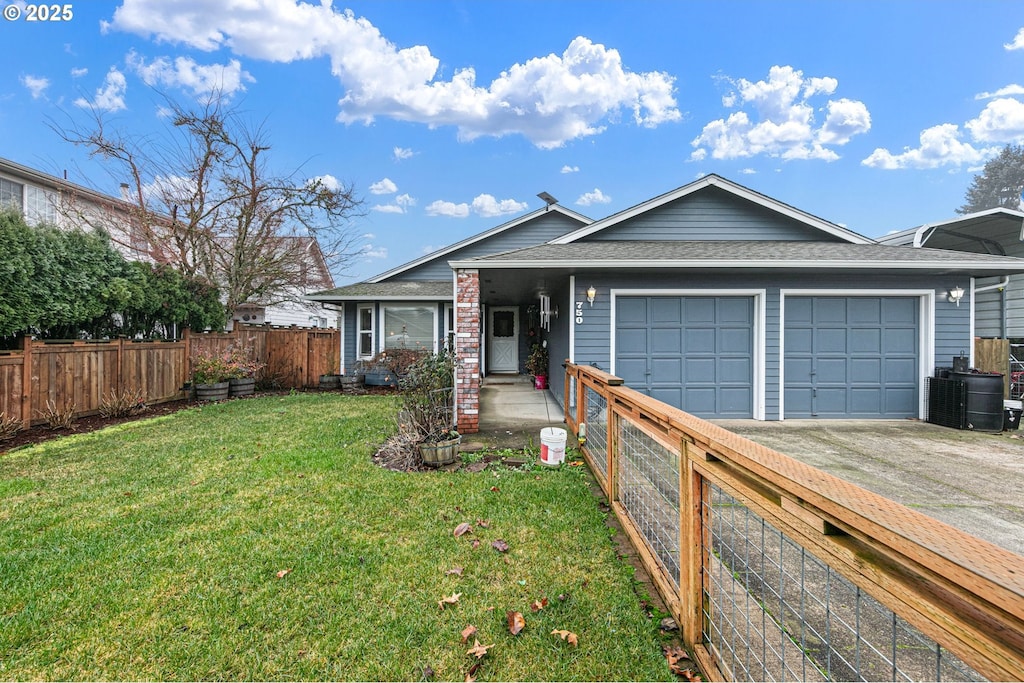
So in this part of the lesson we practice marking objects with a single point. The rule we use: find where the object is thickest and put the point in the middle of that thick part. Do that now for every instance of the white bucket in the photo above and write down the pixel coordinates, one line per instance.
(552, 446)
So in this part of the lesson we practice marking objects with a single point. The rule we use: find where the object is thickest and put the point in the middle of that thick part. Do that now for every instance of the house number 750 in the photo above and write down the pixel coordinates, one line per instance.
(579, 312)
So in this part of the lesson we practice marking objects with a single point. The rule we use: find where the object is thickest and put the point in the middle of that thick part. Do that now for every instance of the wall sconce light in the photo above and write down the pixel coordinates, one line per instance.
(591, 295)
(955, 295)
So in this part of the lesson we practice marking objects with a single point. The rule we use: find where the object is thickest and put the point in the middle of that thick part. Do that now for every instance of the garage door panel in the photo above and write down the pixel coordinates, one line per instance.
(833, 370)
(735, 340)
(695, 353)
(831, 341)
(666, 340)
(700, 340)
(862, 360)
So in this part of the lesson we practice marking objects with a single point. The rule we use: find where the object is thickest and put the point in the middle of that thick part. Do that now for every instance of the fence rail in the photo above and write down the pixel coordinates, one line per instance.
(776, 570)
(81, 375)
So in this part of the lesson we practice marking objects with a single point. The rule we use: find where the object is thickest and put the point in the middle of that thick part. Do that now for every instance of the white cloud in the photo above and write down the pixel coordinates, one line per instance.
(1002, 120)
(79, 72)
(549, 100)
(402, 204)
(369, 236)
(782, 121)
(1017, 43)
(327, 180)
(405, 200)
(374, 252)
(591, 198)
(185, 73)
(110, 96)
(570, 169)
(940, 146)
(1011, 90)
(388, 208)
(383, 186)
(487, 206)
(748, 171)
(36, 85)
(402, 153)
(450, 209)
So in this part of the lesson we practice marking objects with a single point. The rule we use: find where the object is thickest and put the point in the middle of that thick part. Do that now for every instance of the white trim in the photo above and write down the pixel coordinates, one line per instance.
(925, 324)
(572, 318)
(516, 323)
(759, 342)
(341, 339)
(1008, 265)
(449, 332)
(971, 337)
(717, 181)
(359, 331)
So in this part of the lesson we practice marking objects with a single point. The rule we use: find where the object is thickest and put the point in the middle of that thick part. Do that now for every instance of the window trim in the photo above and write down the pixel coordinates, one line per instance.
(360, 331)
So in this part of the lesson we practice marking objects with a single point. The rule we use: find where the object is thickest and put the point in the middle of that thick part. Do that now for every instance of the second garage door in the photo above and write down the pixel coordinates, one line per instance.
(851, 357)
(692, 352)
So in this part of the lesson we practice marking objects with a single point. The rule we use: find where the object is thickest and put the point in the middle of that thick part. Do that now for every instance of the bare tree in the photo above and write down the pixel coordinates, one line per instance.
(205, 200)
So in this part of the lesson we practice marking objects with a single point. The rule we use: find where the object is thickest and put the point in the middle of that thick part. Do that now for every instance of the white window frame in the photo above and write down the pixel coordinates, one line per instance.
(449, 326)
(360, 332)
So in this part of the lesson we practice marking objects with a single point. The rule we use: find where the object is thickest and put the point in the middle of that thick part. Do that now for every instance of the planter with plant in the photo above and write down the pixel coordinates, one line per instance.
(388, 368)
(537, 365)
(426, 414)
(211, 374)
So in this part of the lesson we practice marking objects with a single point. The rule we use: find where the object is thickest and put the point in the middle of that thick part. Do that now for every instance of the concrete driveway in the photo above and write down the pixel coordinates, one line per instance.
(970, 480)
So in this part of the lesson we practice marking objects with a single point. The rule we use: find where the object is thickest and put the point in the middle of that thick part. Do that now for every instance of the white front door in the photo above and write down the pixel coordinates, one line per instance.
(503, 339)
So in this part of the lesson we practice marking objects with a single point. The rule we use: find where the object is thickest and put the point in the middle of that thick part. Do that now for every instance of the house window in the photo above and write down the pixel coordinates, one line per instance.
(11, 194)
(364, 330)
(40, 206)
(409, 326)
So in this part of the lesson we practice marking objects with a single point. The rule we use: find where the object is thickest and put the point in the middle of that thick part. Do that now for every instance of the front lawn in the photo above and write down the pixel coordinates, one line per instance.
(255, 540)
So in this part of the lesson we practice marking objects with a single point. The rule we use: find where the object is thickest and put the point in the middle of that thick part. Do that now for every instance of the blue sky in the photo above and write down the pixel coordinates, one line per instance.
(450, 117)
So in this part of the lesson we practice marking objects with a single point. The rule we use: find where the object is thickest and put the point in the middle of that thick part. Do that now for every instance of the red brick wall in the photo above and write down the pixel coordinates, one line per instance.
(467, 347)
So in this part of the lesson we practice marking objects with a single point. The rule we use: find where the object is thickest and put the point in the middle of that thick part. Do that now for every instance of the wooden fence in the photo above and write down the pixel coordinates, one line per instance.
(776, 570)
(82, 375)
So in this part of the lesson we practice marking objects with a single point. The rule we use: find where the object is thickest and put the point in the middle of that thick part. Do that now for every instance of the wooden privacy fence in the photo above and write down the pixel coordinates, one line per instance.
(82, 375)
(776, 570)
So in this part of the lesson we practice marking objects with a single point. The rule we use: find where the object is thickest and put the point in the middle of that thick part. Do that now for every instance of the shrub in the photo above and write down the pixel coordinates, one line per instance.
(427, 394)
(124, 404)
(9, 426)
(208, 368)
(59, 417)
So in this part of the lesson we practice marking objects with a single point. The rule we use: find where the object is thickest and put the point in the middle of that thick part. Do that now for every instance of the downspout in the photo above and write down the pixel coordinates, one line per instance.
(1001, 286)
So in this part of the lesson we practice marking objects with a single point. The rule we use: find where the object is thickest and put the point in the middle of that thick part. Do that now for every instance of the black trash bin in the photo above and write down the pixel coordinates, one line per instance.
(1011, 417)
(984, 400)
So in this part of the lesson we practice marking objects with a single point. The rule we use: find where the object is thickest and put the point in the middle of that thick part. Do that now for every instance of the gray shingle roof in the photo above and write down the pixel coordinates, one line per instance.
(740, 254)
(393, 289)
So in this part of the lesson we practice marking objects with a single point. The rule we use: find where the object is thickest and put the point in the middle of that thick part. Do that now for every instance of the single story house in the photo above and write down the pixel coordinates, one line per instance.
(713, 298)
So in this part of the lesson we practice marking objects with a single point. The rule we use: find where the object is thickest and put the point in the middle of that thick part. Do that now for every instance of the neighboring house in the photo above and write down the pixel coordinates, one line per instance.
(712, 297)
(998, 301)
(47, 199)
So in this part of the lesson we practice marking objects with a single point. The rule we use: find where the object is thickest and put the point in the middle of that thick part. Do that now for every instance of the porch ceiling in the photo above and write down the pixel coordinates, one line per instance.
(513, 286)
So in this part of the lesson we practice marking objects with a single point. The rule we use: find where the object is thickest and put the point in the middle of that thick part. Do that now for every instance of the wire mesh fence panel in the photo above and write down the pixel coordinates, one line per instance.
(572, 396)
(648, 486)
(774, 611)
(596, 420)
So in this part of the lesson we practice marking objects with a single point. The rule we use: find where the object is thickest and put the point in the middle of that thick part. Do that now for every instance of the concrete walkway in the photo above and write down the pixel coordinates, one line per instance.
(512, 413)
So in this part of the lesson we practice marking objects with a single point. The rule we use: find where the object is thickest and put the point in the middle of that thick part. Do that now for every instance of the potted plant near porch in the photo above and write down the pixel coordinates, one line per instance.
(426, 407)
(537, 365)
(243, 368)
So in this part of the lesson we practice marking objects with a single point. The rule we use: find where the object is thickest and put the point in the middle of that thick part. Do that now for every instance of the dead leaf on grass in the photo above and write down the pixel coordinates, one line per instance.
(478, 650)
(449, 600)
(462, 529)
(483, 523)
(476, 543)
(567, 636)
(468, 632)
(457, 571)
(576, 463)
(283, 573)
(538, 605)
(679, 662)
(495, 489)
(500, 545)
(516, 622)
(471, 674)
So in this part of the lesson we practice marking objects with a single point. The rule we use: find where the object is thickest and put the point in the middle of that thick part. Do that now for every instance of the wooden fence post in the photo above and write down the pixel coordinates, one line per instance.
(26, 382)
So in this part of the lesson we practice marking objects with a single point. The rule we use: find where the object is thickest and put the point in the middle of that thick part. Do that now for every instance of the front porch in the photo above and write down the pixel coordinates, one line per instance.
(512, 413)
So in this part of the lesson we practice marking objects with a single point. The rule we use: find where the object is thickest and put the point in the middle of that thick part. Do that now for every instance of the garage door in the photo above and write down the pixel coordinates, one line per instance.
(694, 353)
(854, 357)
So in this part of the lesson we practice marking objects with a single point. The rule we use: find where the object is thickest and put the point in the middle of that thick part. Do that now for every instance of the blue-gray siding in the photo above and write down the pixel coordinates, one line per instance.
(542, 229)
(712, 214)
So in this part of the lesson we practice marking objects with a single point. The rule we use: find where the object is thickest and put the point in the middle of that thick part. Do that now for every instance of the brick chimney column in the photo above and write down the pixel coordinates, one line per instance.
(467, 348)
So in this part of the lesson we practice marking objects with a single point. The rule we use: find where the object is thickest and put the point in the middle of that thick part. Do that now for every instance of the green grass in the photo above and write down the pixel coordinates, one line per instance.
(151, 551)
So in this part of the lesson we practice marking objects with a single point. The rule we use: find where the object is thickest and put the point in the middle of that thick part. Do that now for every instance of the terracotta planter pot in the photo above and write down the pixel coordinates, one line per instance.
(212, 392)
